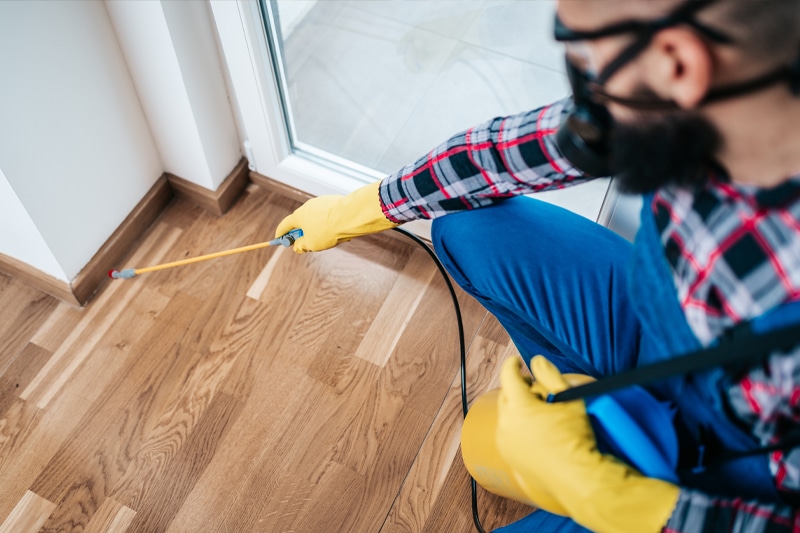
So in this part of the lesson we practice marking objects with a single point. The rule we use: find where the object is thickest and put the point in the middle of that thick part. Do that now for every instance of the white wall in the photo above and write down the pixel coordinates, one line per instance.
(172, 54)
(193, 36)
(20, 238)
(74, 143)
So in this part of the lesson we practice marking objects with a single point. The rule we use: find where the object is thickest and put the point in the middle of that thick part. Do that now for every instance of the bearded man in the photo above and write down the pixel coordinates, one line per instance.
(695, 105)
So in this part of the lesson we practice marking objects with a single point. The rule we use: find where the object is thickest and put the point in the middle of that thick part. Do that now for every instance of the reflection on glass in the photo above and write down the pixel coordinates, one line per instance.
(380, 82)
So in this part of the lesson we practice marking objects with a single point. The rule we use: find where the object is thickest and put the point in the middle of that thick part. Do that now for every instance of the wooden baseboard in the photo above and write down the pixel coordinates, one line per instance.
(95, 273)
(217, 202)
(279, 188)
(89, 280)
(35, 277)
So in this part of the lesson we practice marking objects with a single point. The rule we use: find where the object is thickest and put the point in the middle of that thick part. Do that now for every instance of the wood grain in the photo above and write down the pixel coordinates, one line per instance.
(257, 288)
(17, 324)
(267, 392)
(28, 516)
(280, 188)
(111, 517)
(35, 448)
(390, 323)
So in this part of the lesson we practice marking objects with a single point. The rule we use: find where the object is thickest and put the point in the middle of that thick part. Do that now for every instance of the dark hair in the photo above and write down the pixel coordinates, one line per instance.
(765, 29)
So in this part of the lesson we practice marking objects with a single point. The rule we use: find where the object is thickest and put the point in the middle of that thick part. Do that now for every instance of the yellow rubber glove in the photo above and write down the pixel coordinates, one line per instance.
(329, 220)
(552, 446)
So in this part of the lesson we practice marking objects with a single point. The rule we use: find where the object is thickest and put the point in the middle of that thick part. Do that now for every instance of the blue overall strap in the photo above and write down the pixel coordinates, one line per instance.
(740, 346)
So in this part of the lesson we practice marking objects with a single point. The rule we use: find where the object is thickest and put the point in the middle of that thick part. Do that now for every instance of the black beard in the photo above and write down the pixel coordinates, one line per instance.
(675, 149)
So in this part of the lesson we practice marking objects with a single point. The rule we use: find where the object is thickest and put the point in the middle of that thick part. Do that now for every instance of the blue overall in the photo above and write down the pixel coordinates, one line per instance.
(591, 302)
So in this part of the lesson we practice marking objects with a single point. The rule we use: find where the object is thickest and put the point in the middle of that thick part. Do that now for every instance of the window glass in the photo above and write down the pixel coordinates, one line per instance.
(380, 82)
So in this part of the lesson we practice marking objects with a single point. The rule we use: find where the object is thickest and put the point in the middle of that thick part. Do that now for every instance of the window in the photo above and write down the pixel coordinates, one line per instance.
(375, 84)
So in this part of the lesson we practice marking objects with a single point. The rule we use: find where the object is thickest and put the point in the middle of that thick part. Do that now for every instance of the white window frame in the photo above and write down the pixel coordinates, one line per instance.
(244, 45)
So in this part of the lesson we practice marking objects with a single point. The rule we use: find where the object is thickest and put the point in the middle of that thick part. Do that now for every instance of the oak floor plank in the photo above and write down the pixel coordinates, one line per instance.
(451, 511)
(307, 439)
(292, 451)
(20, 373)
(37, 446)
(159, 507)
(381, 419)
(428, 354)
(19, 418)
(280, 298)
(98, 452)
(181, 413)
(257, 288)
(483, 370)
(55, 330)
(206, 233)
(19, 324)
(7, 281)
(306, 450)
(249, 370)
(112, 353)
(28, 516)
(392, 463)
(111, 517)
(349, 293)
(250, 448)
(440, 449)
(398, 307)
(283, 514)
(23, 294)
(317, 423)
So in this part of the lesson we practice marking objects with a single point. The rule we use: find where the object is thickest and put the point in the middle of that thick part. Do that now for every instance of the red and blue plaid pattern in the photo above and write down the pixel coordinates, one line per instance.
(734, 253)
(497, 159)
(700, 513)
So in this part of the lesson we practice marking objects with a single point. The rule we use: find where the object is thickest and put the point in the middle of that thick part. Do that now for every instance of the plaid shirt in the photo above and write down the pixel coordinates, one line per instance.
(734, 253)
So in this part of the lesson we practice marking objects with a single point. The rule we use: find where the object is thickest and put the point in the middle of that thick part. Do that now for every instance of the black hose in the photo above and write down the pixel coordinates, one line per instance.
(463, 354)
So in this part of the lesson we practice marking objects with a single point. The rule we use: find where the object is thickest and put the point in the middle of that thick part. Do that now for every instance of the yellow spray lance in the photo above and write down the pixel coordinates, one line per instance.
(284, 240)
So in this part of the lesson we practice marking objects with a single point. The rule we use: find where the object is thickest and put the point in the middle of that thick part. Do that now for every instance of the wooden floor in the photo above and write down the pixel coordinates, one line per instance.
(266, 391)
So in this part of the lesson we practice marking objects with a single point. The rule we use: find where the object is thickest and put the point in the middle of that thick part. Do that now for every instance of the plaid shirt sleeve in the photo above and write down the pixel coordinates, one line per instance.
(696, 512)
(501, 158)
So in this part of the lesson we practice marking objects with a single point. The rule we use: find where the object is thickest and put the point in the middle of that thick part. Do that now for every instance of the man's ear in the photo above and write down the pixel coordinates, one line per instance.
(681, 66)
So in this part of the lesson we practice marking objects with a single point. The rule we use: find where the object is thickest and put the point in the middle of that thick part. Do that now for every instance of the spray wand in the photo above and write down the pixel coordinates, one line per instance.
(284, 240)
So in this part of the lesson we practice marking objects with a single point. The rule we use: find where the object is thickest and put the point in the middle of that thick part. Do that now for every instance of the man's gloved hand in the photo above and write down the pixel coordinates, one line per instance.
(329, 220)
(551, 447)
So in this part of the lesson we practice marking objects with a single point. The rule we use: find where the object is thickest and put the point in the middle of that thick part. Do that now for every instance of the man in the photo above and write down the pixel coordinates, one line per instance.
(696, 104)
